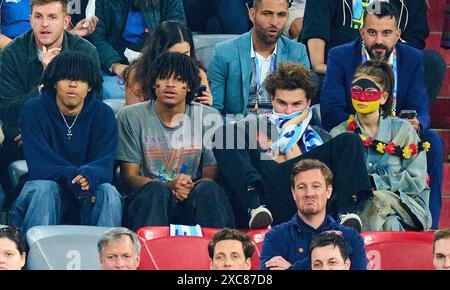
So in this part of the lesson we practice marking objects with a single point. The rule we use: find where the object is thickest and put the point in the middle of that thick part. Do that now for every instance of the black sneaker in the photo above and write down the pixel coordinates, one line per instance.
(260, 218)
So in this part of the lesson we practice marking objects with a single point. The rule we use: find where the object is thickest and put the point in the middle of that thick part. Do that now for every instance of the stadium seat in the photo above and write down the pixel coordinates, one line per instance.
(155, 232)
(399, 250)
(64, 247)
(204, 45)
(316, 118)
(16, 170)
(257, 237)
(115, 104)
(175, 253)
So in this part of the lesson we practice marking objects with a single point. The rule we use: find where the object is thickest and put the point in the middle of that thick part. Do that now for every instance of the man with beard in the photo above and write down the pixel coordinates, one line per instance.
(329, 23)
(240, 66)
(380, 40)
(286, 246)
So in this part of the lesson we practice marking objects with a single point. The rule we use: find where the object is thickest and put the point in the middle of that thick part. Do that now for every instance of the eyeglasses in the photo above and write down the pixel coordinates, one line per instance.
(10, 230)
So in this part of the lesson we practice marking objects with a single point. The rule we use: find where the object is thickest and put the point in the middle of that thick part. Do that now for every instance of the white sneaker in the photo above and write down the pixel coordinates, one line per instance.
(351, 220)
(260, 218)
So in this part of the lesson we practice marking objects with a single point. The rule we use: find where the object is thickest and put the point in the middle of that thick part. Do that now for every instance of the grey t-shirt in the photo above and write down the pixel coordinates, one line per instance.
(164, 152)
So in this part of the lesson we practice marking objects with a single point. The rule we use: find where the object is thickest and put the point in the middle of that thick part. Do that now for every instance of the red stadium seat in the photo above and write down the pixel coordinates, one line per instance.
(162, 234)
(175, 253)
(399, 250)
(257, 237)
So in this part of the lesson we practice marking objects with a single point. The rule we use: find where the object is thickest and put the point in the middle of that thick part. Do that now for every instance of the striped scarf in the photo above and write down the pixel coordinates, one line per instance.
(291, 134)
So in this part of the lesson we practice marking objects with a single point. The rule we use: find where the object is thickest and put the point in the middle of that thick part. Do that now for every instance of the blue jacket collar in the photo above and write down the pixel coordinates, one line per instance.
(328, 224)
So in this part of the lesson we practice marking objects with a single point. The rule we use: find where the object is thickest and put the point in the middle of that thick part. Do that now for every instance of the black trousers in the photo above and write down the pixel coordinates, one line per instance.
(154, 205)
(343, 154)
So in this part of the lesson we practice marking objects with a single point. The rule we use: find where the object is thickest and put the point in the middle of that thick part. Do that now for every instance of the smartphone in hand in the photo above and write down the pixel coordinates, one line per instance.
(408, 114)
(200, 91)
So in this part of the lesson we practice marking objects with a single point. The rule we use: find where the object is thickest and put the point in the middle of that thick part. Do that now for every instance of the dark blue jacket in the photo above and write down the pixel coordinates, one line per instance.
(335, 100)
(112, 17)
(50, 156)
(291, 240)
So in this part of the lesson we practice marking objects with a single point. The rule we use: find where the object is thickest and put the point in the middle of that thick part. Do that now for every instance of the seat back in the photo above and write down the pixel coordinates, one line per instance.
(399, 250)
(257, 237)
(204, 45)
(16, 170)
(64, 247)
(115, 104)
(155, 232)
(175, 253)
(316, 118)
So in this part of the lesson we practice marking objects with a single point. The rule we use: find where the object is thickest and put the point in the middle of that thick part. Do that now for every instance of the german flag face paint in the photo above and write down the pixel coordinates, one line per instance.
(366, 96)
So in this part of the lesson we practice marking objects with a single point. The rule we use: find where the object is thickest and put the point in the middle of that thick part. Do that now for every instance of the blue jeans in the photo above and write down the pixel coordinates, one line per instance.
(113, 87)
(435, 168)
(43, 202)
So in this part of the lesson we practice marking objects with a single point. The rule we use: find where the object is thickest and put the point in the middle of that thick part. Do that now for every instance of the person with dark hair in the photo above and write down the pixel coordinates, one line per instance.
(165, 151)
(330, 23)
(22, 64)
(123, 27)
(380, 41)
(69, 140)
(395, 156)
(286, 246)
(441, 249)
(240, 66)
(266, 148)
(231, 249)
(329, 251)
(119, 249)
(172, 36)
(12, 249)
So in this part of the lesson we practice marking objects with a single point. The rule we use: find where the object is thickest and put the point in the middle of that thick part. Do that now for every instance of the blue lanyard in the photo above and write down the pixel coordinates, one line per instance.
(256, 71)
(394, 69)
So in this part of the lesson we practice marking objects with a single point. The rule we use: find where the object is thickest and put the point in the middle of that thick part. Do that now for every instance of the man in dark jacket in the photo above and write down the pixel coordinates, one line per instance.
(22, 63)
(121, 30)
(69, 140)
(286, 246)
(258, 174)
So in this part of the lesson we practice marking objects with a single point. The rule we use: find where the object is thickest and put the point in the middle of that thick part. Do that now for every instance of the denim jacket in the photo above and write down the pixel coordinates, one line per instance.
(405, 177)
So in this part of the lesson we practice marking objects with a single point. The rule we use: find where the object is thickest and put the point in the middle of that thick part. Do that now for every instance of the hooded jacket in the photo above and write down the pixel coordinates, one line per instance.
(51, 156)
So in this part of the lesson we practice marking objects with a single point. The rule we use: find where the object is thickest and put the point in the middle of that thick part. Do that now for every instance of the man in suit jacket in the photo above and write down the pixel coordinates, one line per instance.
(239, 66)
(380, 36)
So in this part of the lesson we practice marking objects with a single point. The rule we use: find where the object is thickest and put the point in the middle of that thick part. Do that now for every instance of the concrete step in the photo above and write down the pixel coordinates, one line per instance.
(445, 135)
(444, 222)
(440, 113)
(434, 42)
(435, 15)
(446, 183)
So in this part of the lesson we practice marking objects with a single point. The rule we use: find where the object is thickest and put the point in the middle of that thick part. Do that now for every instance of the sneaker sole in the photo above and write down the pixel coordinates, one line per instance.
(261, 221)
